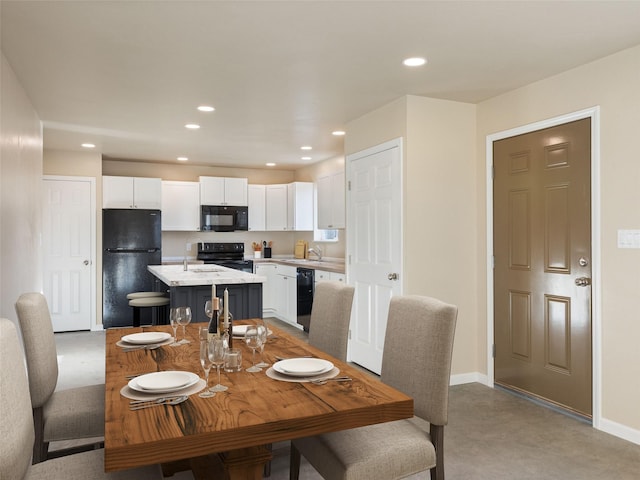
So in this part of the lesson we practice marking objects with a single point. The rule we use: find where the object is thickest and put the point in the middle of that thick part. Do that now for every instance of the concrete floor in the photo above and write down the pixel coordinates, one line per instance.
(491, 433)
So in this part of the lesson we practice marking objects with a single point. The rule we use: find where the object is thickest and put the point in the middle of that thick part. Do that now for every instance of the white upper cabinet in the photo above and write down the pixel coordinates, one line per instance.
(331, 201)
(289, 206)
(276, 210)
(131, 192)
(257, 208)
(300, 206)
(180, 206)
(224, 191)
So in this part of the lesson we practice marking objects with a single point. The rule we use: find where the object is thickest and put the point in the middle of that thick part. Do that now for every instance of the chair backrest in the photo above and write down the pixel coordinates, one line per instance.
(39, 346)
(330, 316)
(16, 423)
(417, 353)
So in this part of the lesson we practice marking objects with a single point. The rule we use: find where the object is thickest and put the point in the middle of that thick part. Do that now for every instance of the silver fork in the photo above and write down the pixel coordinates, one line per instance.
(140, 404)
(334, 379)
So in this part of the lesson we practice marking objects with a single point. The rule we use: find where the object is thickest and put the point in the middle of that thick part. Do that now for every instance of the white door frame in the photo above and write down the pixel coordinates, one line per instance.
(93, 246)
(596, 287)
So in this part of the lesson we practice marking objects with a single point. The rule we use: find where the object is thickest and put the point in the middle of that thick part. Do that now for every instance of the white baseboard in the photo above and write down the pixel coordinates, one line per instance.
(473, 377)
(621, 431)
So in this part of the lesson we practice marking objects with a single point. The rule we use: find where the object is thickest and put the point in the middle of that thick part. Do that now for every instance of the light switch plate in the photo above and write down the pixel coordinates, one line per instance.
(628, 238)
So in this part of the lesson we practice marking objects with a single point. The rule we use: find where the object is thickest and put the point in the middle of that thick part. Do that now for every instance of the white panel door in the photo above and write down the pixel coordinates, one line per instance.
(374, 247)
(68, 243)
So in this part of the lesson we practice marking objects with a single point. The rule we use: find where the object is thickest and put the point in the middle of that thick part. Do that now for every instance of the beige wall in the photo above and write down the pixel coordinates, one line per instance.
(438, 186)
(612, 83)
(20, 184)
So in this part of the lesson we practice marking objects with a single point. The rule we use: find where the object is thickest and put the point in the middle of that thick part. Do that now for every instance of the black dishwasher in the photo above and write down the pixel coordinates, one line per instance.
(304, 289)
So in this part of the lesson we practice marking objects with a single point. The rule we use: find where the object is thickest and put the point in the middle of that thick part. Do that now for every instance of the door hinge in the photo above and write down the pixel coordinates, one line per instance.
(493, 171)
(493, 351)
(349, 185)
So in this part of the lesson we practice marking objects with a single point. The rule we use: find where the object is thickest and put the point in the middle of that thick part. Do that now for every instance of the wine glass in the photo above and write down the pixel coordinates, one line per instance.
(208, 309)
(184, 318)
(205, 361)
(264, 333)
(217, 350)
(173, 318)
(253, 341)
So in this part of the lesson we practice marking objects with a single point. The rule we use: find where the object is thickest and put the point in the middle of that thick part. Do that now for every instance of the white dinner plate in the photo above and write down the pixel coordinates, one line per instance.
(146, 338)
(302, 367)
(240, 330)
(163, 382)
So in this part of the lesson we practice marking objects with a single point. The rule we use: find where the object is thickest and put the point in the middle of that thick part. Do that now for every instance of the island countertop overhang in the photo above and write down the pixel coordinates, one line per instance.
(176, 276)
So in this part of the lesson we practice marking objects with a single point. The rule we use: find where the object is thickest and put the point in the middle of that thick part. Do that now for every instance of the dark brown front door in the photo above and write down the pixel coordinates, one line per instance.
(542, 250)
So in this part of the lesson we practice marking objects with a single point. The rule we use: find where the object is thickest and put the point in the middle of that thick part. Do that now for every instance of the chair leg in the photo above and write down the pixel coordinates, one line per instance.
(437, 438)
(40, 447)
(294, 463)
(266, 473)
(136, 316)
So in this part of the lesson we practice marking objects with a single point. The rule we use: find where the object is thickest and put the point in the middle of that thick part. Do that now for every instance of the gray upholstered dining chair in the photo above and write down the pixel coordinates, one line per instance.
(70, 414)
(18, 433)
(330, 316)
(417, 361)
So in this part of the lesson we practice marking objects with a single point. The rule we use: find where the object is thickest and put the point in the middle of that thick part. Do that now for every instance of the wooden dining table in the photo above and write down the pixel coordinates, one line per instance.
(228, 435)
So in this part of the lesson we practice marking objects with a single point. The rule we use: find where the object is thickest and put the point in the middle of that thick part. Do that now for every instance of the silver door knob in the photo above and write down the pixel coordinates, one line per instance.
(583, 281)
(392, 276)
(86, 262)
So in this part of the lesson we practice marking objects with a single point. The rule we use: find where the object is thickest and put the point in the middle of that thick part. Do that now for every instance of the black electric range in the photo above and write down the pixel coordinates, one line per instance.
(230, 255)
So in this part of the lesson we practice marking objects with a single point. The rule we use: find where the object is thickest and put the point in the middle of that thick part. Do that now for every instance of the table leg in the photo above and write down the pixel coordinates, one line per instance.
(242, 464)
(245, 463)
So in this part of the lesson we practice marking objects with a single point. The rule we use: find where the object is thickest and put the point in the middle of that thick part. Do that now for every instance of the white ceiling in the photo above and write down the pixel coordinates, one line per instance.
(128, 75)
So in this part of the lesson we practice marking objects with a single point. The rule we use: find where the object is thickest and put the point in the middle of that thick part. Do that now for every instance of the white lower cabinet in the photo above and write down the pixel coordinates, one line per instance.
(286, 294)
(269, 291)
(324, 276)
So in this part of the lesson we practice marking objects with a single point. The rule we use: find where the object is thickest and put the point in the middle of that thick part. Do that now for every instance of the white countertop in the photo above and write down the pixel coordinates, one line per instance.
(175, 276)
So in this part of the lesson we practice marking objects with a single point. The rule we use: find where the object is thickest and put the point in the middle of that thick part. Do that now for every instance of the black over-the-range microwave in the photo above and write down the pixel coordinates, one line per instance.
(224, 218)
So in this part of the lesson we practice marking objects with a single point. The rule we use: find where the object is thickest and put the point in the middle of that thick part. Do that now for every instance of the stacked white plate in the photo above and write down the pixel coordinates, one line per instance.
(144, 338)
(240, 330)
(303, 367)
(163, 382)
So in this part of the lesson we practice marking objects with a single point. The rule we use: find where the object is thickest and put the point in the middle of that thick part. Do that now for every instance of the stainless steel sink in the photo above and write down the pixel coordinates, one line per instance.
(206, 269)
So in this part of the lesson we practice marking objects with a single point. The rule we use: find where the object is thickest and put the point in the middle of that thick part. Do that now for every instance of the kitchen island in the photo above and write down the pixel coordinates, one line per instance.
(193, 288)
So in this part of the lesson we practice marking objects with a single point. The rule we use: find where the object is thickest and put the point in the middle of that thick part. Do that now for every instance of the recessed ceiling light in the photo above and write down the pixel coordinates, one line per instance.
(306, 147)
(192, 126)
(414, 61)
(206, 108)
(338, 133)
(182, 159)
(270, 164)
(88, 145)
(305, 158)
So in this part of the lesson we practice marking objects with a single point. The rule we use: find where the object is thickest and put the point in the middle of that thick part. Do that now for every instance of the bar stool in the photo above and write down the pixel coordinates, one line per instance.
(160, 302)
(131, 296)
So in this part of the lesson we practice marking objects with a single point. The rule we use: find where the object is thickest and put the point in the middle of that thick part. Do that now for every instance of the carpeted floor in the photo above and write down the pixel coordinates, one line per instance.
(491, 433)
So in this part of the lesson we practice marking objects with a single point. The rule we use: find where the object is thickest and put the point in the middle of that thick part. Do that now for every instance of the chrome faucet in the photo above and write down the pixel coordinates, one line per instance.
(317, 251)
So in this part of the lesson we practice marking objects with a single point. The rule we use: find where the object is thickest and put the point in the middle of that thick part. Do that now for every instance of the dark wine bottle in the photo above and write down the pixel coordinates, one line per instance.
(213, 322)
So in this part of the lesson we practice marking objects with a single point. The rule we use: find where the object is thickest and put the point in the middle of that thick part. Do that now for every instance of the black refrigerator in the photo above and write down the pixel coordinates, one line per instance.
(131, 240)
